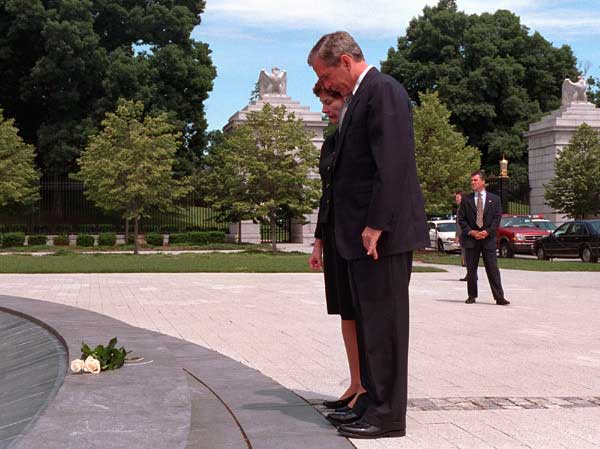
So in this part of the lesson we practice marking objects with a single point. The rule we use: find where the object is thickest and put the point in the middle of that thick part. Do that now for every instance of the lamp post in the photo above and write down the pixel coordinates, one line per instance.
(502, 177)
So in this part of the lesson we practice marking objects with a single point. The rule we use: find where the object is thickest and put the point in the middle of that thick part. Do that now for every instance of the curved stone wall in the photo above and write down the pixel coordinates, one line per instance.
(33, 364)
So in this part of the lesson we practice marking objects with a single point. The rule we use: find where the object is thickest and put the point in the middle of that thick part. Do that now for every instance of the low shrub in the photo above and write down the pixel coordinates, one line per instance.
(106, 228)
(85, 240)
(11, 239)
(154, 238)
(206, 237)
(61, 240)
(37, 240)
(178, 238)
(215, 236)
(107, 239)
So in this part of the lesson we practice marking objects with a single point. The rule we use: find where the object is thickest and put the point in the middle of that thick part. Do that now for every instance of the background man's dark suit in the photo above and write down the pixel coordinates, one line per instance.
(467, 217)
(375, 184)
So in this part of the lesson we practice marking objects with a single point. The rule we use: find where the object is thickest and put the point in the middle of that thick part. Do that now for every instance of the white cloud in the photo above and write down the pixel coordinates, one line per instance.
(389, 17)
(567, 22)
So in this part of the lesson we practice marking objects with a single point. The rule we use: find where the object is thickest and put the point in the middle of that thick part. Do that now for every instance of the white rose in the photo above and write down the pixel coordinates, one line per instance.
(91, 365)
(77, 365)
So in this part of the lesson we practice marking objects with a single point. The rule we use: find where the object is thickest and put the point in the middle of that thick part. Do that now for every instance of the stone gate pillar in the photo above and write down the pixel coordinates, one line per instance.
(545, 141)
(272, 90)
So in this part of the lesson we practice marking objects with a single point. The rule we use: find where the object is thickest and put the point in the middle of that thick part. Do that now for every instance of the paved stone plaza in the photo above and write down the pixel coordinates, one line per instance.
(481, 376)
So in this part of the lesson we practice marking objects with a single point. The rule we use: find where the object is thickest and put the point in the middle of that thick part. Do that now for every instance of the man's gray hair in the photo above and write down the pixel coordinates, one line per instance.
(332, 46)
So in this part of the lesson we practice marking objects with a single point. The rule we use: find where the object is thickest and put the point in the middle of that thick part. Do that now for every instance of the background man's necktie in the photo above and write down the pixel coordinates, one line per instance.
(479, 220)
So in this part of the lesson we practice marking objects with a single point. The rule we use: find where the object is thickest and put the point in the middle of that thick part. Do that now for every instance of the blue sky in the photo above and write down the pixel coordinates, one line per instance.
(246, 36)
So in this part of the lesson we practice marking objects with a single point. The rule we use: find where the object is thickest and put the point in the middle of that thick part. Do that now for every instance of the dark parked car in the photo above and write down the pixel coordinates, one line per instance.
(580, 238)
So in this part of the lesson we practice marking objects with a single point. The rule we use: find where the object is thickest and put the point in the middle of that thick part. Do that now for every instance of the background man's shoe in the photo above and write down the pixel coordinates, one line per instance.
(502, 302)
(470, 300)
(362, 429)
(463, 279)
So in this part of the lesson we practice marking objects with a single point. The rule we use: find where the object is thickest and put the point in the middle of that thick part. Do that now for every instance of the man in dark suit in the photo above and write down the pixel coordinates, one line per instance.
(380, 219)
(479, 217)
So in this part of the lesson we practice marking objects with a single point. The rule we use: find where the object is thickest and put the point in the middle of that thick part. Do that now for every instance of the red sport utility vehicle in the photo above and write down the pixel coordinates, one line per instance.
(516, 234)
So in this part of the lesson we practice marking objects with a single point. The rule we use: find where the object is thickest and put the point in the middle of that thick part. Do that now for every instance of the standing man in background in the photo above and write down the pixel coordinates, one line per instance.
(379, 219)
(479, 216)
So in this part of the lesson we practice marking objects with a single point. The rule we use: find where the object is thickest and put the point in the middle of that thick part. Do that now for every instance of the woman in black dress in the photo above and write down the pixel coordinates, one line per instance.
(325, 256)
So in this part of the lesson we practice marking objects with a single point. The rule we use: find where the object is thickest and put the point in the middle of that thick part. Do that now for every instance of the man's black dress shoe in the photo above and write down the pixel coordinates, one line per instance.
(362, 429)
(339, 403)
(339, 418)
(470, 300)
(463, 279)
(502, 302)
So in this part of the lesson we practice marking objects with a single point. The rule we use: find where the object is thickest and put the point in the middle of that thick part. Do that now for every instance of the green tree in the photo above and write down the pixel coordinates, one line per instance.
(575, 188)
(262, 167)
(220, 183)
(65, 63)
(593, 92)
(494, 76)
(128, 166)
(444, 160)
(19, 180)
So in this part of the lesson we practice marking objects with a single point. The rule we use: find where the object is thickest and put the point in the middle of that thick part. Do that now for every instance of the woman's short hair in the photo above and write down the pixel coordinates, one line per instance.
(320, 89)
(332, 46)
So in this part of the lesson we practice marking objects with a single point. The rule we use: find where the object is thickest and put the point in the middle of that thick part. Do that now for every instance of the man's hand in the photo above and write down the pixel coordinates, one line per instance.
(370, 237)
(478, 235)
(315, 261)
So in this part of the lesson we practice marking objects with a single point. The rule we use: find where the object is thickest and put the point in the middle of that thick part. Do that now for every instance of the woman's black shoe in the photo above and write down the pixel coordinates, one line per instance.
(339, 403)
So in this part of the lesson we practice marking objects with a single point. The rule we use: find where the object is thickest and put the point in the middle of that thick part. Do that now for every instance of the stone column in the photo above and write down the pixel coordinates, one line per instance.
(250, 232)
(545, 141)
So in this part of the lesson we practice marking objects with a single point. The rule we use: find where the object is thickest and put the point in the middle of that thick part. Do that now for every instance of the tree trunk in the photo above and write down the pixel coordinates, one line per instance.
(239, 236)
(136, 228)
(126, 231)
(273, 220)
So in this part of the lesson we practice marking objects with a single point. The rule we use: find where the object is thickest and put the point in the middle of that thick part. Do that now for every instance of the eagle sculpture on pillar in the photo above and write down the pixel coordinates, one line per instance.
(274, 83)
(574, 91)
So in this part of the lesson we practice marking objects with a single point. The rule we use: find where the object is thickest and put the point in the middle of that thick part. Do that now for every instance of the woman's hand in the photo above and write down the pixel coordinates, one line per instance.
(315, 261)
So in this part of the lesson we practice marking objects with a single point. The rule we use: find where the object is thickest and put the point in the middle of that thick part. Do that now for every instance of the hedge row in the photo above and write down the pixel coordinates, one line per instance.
(15, 239)
(103, 228)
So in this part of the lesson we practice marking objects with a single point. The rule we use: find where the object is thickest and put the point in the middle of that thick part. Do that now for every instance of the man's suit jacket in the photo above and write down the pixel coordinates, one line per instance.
(375, 180)
(467, 216)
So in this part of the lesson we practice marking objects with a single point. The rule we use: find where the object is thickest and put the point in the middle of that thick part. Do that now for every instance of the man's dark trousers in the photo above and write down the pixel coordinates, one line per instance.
(380, 295)
(491, 268)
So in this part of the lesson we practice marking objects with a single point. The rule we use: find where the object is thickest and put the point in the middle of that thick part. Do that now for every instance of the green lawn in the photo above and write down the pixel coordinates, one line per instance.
(511, 264)
(246, 262)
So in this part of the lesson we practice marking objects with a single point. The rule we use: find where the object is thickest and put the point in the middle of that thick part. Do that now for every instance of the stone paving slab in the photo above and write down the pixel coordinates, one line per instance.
(181, 396)
(544, 345)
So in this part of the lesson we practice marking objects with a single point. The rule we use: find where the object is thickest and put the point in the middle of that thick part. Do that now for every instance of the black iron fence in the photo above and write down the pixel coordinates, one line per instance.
(64, 208)
(514, 195)
(283, 233)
